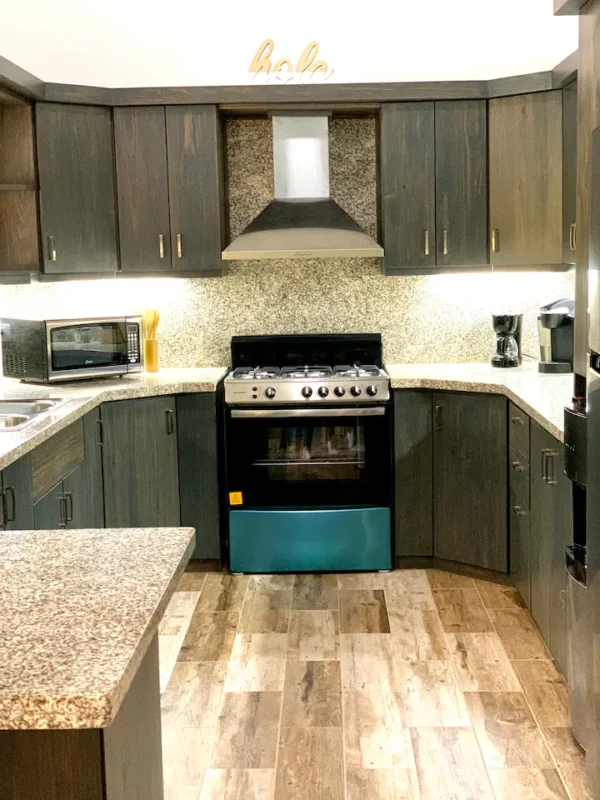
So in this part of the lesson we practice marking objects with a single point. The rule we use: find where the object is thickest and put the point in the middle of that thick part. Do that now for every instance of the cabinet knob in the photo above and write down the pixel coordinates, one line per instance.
(517, 421)
(517, 466)
(519, 511)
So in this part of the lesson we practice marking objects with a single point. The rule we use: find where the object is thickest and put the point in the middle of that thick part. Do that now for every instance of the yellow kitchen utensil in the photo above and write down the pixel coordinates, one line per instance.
(150, 320)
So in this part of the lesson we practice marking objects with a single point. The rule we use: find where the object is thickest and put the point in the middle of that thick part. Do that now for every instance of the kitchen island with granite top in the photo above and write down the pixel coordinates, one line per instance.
(79, 673)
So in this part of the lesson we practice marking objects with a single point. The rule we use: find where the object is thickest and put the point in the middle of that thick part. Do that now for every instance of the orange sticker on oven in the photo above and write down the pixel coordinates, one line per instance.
(236, 499)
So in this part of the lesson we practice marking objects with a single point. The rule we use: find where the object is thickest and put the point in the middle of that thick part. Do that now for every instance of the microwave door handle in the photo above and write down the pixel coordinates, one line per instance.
(283, 413)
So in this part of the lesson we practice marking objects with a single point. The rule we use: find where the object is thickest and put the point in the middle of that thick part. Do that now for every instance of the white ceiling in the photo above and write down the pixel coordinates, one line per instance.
(211, 42)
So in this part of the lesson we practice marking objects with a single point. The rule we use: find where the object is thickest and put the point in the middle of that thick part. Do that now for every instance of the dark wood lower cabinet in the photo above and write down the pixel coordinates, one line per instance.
(520, 524)
(413, 473)
(120, 762)
(470, 479)
(141, 480)
(18, 495)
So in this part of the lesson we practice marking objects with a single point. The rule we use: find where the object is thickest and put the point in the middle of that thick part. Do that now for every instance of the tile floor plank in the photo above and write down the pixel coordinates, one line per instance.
(257, 663)
(525, 783)
(191, 582)
(314, 636)
(382, 784)
(310, 764)
(518, 633)
(376, 735)
(399, 600)
(361, 580)
(193, 696)
(506, 731)
(315, 593)
(222, 592)
(418, 635)
(461, 611)
(449, 764)
(237, 784)
(246, 733)
(570, 759)
(439, 579)
(368, 663)
(481, 663)
(432, 696)
(546, 692)
(363, 611)
(186, 752)
(413, 581)
(267, 582)
(312, 697)
(209, 637)
(496, 596)
(266, 611)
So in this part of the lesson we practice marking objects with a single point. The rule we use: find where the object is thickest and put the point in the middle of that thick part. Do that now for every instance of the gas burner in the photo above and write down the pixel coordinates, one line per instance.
(365, 371)
(255, 373)
(299, 373)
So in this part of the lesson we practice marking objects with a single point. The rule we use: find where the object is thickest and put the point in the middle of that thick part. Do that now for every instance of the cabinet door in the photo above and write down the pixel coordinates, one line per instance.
(18, 495)
(83, 487)
(569, 172)
(196, 191)
(413, 473)
(50, 511)
(525, 134)
(77, 195)
(407, 180)
(562, 504)
(470, 479)
(198, 439)
(142, 189)
(139, 458)
(520, 525)
(461, 182)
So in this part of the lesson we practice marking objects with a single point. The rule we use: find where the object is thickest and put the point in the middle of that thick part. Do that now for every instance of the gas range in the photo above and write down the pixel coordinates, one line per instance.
(307, 384)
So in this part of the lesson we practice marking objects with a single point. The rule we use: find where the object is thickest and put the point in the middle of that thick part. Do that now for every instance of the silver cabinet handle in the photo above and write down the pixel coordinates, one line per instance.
(563, 598)
(282, 413)
(161, 245)
(100, 441)
(51, 249)
(551, 473)
(445, 241)
(10, 511)
(69, 506)
(426, 242)
(573, 236)
(545, 465)
(179, 245)
(169, 421)
(519, 511)
(62, 505)
(495, 240)
(2, 510)
(439, 418)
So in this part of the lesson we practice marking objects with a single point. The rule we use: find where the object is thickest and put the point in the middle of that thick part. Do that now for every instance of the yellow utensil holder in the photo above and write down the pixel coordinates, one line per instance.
(151, 355)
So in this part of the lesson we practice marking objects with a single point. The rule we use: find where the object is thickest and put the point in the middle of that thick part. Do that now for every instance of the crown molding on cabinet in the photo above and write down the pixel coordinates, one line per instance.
(572, 7)
(259, 98)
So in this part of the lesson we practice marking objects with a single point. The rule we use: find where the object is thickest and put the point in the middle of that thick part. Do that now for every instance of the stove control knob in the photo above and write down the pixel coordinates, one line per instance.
(355, 391)
(270, 392)
(323, 391)
(371, 391)
(339, 391)
(306, 391)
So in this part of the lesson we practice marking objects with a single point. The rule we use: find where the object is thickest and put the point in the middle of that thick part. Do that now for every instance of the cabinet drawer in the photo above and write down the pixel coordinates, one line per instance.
(55, 459)
(518, 430)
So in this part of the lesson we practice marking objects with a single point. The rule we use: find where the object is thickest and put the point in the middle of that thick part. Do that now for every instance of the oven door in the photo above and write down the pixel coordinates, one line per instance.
(309, 457)
(86, 348)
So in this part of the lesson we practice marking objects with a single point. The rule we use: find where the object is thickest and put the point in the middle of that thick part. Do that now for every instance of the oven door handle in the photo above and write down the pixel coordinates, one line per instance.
(366, 411)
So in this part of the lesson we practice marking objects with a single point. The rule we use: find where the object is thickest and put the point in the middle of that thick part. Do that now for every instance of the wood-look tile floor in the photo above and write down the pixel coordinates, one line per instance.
(410, 684)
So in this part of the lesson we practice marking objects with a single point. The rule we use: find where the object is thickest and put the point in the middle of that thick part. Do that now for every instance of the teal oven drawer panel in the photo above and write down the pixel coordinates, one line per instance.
(310, 541)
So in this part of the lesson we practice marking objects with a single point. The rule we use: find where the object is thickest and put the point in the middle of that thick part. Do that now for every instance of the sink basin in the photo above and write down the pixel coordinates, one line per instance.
(16, 414)
(12, 421)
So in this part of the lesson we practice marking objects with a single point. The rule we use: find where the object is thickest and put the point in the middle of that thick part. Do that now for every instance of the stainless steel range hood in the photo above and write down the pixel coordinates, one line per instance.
(302, 221)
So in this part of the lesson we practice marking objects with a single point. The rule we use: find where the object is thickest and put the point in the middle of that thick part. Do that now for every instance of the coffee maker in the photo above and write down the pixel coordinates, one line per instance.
(555, 325)
(508, 329)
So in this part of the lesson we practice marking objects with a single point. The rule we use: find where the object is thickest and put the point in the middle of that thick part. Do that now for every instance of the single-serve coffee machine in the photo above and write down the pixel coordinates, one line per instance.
(508, 340)
(555, 325)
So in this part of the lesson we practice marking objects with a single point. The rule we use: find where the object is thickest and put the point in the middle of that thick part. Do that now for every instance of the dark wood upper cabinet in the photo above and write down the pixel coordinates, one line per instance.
(569, 190)
(142, 189)
(525, 142)
(461, 182)
(407, 186)
(77, 193)
(196, 189)
(470, 479)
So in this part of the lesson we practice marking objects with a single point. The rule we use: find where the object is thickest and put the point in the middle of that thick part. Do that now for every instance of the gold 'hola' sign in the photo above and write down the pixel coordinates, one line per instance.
(307, 64)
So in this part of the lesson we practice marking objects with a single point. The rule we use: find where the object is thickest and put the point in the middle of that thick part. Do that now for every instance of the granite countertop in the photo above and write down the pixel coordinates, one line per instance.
(543, 397)
(78, 610)
(84, 396)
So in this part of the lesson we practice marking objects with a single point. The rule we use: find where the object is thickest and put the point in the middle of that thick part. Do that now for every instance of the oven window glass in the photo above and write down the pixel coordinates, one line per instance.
(318, 463)
(73, 347)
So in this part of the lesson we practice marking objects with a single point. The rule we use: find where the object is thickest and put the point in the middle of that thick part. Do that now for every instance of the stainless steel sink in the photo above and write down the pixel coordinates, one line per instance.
(17, 414)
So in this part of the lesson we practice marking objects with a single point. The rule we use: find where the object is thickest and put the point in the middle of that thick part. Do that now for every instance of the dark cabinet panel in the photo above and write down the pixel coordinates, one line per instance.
(77, 197)
(83, 488)
(518, 430)
(461, 182)
(525, 142)
(142, 189)
(198, 438)
(563, 535)
(18, 495)
(139, 455)
(413, 473)
(470, 479)
(407, 185)
(50, 511)
(520, 525)
(569, 192)
(196, 192)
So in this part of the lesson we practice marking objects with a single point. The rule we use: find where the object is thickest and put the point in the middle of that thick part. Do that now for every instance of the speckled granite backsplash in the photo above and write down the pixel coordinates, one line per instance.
(439, 318)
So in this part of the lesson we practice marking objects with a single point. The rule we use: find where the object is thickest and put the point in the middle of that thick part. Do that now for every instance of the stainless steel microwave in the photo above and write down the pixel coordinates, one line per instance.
(54, 350)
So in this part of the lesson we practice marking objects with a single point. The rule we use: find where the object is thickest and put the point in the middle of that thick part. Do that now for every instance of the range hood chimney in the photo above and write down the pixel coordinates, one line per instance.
(302, 221)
